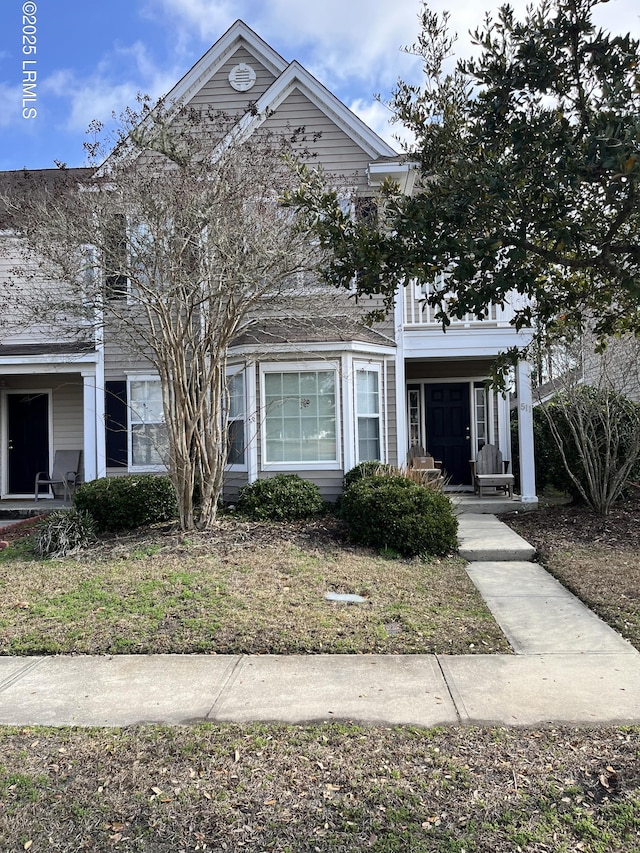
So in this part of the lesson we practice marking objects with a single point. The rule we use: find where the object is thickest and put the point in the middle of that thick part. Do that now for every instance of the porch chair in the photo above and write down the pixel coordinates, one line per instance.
(422, 462)
(65, 473)
(491, 472)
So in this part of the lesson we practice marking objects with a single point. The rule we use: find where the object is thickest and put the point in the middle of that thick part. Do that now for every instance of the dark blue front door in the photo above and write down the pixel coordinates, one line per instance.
(448, 429)
(28, 440)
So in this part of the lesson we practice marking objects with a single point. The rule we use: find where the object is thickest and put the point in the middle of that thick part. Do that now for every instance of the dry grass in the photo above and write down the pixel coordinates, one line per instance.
(246, 588)
(320, 788)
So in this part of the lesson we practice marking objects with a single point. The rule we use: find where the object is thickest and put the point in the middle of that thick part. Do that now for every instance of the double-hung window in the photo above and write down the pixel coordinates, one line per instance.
(368, 413)
(300, 416)
(147, 430)
(236, 419)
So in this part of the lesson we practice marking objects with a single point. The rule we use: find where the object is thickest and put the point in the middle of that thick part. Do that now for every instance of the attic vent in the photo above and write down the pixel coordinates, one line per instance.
(242, 77)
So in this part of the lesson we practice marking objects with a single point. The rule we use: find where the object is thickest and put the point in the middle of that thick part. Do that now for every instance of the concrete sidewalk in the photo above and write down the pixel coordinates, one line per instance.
(569, 667)
(421, 690)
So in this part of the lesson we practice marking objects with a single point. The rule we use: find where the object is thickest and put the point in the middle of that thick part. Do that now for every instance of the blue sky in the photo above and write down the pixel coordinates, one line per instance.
(91, 58)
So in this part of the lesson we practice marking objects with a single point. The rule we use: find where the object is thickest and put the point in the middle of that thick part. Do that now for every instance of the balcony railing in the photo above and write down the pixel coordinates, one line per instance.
(418, 312)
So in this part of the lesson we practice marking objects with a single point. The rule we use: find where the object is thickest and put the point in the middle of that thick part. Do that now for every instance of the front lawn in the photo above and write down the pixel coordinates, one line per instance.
(304, 789)
(245, 587)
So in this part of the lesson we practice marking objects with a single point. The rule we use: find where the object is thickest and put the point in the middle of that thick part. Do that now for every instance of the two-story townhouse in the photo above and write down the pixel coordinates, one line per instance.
(313, 395)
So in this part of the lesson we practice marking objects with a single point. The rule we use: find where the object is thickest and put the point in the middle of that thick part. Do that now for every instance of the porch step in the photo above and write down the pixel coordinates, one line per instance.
(482, 538)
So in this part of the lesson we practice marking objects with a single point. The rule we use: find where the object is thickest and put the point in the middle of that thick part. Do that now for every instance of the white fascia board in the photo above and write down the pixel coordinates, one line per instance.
(28, 364)
(218, 54)
(297, 77)
(404, 174)
(308, 349)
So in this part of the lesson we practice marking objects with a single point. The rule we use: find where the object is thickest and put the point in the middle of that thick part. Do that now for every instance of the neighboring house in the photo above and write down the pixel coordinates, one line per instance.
(561, 367)
(311, 396)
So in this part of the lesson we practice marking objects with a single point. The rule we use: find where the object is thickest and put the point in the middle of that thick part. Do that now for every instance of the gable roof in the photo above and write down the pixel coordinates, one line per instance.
(237, 34)
(289, 76)
(40, 182)
(297, 77)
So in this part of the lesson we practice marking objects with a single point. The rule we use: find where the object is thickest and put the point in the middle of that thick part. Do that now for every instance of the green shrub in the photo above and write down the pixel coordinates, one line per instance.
(395, 513)
(124, 503)
(372, 468)
(285, 497)
(64, 532)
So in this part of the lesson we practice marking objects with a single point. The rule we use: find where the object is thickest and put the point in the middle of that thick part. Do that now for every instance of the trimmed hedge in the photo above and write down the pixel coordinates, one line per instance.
(394, 512)
(125, 503)
(285, 497)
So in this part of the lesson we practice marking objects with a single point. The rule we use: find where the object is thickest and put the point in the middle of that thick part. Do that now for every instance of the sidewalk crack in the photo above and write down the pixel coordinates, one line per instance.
(11, 680)
(230, 677)
(446, 681)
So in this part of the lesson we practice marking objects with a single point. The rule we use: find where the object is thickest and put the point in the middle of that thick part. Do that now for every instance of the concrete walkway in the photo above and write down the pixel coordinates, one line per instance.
(568, 667)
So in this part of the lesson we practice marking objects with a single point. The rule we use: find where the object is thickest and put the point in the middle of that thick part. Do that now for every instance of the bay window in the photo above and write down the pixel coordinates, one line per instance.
(368, 413)
(300, 416)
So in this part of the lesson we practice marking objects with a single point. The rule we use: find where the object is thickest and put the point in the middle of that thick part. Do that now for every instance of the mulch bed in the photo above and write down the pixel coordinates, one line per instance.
(555, 528)
(21, 528)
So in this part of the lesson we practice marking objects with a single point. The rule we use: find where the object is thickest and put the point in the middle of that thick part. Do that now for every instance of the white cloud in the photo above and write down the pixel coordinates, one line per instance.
(10, 105)
(344, 42)
(377, 116)
(104, 92)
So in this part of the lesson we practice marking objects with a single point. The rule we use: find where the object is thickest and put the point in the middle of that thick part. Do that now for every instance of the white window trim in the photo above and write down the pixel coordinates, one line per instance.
(364, 366)
(300, 367)
(139, 469)
(242, 467)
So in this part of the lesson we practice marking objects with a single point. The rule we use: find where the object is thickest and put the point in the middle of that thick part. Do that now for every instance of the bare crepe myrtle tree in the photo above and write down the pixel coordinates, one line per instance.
(594, 418)
(168, 249)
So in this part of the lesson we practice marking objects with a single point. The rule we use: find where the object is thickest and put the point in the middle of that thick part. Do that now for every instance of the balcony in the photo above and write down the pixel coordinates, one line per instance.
(418, 314)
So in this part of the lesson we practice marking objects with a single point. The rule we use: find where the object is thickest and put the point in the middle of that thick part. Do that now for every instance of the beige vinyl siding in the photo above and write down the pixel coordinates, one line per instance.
(233, 482)
(390, 423)
(219, 93)
(17, 313)
(328, 482)
(68, 431)
(119, 361)
(337, 152)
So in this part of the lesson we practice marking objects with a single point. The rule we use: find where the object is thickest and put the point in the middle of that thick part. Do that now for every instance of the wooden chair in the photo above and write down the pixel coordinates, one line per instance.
(429, 470)
(491, 472)
(65, 473)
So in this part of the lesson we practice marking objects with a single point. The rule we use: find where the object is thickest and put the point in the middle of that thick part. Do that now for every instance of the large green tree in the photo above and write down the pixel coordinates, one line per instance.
(529, 159)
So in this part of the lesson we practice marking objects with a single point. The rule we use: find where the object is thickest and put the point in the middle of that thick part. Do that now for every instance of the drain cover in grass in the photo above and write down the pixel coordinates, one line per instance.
(349, 597)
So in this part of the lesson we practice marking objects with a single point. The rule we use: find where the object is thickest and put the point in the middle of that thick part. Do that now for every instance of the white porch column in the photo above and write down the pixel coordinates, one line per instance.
(504, 426)
(348, 413)
(90, 450)
(100, 421)
(525, 433)
(253, 414)
(401, 391)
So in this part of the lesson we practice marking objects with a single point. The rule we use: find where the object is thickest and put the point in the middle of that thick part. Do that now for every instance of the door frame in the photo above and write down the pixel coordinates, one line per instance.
(4, 431)
(420, 384)
(466, 480)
